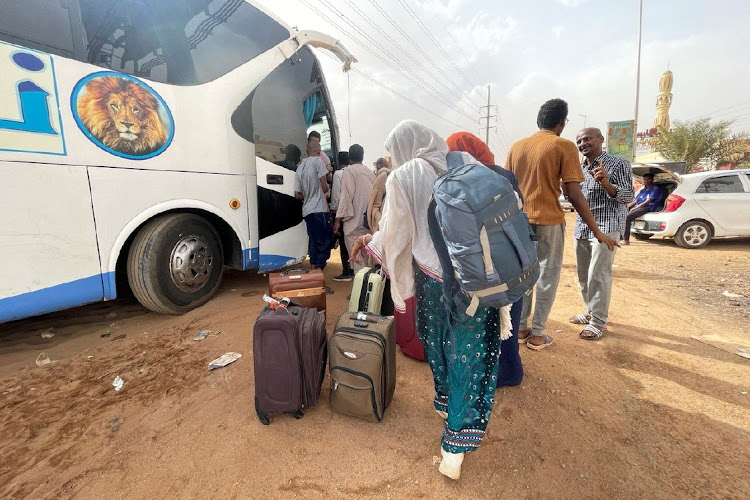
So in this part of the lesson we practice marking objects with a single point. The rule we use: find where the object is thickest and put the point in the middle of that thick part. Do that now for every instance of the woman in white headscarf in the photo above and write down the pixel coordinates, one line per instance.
(463, 354)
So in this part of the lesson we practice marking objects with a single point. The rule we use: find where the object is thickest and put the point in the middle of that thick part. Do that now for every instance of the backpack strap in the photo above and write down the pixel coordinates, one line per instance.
(454, 159)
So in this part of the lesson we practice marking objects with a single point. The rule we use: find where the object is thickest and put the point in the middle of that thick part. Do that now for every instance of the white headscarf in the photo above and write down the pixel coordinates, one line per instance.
(418, 155)
(410, 140)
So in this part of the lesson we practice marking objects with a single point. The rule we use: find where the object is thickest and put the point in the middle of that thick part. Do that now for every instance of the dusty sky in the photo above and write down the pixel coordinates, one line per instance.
(583, 51)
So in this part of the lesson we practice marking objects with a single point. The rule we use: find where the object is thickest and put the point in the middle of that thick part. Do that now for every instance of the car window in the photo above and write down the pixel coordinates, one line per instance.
(183, 42)
(723, 184)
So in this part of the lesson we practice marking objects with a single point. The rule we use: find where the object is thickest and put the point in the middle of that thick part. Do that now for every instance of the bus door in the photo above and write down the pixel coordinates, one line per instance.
(288, 102)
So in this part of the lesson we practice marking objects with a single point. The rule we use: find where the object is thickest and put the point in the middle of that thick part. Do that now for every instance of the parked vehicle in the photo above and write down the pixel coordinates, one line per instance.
(565, 203)
(697, 207)
(146, 145)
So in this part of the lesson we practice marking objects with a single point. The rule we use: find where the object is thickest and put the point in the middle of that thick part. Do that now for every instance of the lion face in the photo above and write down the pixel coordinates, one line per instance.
(122, 115)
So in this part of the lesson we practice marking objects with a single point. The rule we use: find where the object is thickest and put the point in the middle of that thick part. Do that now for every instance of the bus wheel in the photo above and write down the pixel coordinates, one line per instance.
(175, 263)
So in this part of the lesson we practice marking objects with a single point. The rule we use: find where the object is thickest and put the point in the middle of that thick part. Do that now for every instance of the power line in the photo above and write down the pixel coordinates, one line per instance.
(397, 46)
(417, 46)
(415, 80)
(458, 46)
(396, 93)
(434, 40)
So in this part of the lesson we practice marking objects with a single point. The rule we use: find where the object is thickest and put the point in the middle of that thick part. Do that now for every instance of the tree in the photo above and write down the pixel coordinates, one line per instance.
(701, 143)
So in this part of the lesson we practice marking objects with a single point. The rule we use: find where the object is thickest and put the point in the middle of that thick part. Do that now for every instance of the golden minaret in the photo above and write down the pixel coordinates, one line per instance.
(664, 101)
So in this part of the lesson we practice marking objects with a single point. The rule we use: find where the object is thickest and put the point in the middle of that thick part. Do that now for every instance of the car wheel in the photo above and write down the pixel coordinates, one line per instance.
(693, 234)
(175, 263)
(641, 236)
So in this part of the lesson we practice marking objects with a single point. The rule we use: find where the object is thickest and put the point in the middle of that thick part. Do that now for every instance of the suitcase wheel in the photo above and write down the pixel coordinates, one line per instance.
(264, 418)
(297, 414)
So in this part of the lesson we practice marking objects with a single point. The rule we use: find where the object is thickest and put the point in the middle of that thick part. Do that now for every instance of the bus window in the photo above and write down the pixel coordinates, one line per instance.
(21, 26)
(183, 42)
(290, 101)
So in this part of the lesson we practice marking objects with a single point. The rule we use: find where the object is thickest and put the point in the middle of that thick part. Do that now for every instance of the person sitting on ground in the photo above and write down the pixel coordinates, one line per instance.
(647, 200)
(510, 372)
(463, 353)
(347, 274)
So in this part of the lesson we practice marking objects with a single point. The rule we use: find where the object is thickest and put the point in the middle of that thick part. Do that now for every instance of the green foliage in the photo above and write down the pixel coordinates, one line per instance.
(701, 142)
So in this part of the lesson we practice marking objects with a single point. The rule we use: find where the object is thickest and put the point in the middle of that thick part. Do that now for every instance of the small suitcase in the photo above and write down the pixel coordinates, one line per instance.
(367, 291)
(406, 331)
(362, 365)
(289, 356)
(307, 287)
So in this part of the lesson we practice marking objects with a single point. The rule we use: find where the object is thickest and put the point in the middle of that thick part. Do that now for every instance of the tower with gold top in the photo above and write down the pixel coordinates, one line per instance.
(664, 101)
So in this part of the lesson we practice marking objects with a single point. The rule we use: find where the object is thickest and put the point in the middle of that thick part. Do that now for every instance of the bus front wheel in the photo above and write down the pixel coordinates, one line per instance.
(175, 263)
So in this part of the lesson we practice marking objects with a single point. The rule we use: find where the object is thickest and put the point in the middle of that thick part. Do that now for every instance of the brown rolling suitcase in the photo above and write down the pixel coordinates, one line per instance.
(289, 356)
(307, 287)
(362, 365)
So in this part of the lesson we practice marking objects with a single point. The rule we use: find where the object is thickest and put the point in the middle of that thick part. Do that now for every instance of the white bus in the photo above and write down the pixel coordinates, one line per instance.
(145, 144)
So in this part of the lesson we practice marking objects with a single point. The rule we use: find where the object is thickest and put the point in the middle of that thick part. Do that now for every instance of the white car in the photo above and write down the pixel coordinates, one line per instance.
(697, 206)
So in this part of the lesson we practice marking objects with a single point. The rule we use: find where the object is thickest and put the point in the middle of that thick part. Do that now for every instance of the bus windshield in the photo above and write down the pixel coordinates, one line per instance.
(176, 41)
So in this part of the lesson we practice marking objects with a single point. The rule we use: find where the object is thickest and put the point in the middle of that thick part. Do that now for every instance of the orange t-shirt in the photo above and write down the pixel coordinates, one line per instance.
(540, 162)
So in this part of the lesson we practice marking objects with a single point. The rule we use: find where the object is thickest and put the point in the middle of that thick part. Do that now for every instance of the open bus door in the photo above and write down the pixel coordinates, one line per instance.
(289, 102)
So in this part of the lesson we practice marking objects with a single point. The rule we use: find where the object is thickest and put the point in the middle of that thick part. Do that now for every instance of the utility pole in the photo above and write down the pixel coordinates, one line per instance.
(584, 119)
(638, 64)
(487, 118)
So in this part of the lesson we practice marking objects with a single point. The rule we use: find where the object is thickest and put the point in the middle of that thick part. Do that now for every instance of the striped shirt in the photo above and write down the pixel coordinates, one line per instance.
(609, 211)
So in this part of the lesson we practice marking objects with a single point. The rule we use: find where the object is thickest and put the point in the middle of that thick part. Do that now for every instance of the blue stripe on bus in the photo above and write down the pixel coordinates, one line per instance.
(250, 258)
(55, 298)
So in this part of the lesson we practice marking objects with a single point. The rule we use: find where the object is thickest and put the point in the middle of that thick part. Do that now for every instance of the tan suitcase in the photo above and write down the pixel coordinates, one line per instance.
(362, 365)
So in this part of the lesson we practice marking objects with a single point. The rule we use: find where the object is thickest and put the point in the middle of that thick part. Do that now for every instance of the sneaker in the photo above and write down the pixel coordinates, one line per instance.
(343, 277)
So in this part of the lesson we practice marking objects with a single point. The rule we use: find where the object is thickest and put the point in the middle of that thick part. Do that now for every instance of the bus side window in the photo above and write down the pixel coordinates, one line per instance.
(20, 25)
(183, 42)
(273, 116)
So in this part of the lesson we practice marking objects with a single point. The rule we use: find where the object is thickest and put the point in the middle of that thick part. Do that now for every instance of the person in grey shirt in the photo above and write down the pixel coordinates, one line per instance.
(311, 187)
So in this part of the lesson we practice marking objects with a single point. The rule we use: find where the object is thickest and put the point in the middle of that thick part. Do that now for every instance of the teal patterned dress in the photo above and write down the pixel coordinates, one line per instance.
(463, 356)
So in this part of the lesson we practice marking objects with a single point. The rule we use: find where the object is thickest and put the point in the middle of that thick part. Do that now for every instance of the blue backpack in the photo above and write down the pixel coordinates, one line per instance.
(488, 237)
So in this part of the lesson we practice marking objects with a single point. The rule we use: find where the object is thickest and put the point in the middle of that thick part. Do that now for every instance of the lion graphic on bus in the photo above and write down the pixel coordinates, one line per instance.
(123, 115)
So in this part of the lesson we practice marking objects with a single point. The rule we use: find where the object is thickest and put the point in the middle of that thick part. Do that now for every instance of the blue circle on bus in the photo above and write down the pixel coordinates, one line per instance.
(122, 115)
(27, 61)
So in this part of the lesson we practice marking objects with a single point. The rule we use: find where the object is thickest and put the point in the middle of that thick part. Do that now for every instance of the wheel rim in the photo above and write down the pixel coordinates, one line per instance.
(191, 263)
(695, 235)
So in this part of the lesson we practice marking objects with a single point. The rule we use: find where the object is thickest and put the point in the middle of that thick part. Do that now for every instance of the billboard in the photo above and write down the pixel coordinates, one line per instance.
(621, 139)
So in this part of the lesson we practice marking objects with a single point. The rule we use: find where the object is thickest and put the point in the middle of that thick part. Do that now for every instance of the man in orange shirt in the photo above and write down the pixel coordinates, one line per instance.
(541, 162)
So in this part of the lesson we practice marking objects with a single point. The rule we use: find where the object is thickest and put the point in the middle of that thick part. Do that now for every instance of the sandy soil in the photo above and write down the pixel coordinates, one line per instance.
(646, 412)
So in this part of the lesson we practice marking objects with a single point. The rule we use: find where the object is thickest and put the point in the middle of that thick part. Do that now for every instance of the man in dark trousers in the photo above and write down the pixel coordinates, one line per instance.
(311, 187)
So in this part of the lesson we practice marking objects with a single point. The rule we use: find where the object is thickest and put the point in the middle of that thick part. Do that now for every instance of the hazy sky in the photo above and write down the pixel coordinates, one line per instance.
(583, 51)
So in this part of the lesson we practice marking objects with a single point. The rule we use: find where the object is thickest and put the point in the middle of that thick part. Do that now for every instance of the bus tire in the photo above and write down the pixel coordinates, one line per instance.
(175, 263)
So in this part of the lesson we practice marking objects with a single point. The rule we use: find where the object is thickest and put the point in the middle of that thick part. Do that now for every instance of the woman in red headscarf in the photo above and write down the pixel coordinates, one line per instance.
(510, 371)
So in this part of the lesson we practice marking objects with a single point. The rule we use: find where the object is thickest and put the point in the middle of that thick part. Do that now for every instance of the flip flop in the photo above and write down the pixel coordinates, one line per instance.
(596, 333)
(580, 319)
(547, 343)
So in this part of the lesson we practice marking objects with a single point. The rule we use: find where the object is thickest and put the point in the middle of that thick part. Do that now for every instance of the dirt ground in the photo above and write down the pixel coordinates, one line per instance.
(648, 412)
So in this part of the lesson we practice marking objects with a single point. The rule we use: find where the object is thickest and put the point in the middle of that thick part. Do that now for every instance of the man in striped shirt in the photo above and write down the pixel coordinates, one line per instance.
(608, 188)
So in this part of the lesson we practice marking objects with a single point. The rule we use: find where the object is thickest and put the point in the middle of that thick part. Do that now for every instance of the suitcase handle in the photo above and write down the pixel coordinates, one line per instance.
(369, 317)
(295, 270)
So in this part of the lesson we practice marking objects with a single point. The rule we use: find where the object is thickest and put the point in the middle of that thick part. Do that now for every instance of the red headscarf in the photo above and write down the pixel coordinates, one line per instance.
(466, 141)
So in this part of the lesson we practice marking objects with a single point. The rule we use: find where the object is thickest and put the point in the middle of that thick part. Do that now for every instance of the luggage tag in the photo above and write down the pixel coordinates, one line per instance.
(274, 304)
